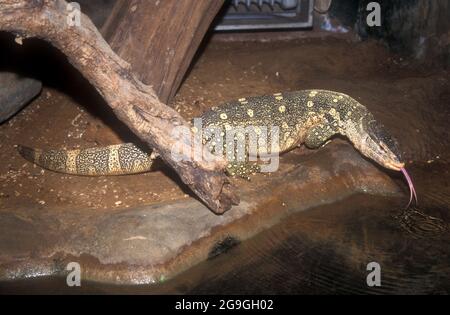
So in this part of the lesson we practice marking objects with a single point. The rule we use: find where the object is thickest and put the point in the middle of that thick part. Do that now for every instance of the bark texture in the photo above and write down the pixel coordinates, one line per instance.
(159, 38)
(134, 103)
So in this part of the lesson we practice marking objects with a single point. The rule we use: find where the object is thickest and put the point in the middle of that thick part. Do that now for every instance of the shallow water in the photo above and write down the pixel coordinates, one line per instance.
(324, 250)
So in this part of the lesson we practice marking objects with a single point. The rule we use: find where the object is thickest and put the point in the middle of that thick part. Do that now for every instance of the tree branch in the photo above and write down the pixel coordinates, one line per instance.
(133, 102)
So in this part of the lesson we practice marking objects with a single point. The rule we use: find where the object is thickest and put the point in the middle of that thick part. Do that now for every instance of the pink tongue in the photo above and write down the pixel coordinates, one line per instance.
(412, 191)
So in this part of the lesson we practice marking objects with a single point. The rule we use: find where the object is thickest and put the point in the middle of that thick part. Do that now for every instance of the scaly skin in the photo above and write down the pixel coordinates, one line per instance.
(117, 159)
(311, 117)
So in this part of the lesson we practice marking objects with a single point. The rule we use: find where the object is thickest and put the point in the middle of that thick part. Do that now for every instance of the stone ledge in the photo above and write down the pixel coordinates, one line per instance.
(153, 243)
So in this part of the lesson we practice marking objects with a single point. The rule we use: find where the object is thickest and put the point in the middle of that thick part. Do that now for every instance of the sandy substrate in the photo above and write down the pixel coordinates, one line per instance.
(399, 94)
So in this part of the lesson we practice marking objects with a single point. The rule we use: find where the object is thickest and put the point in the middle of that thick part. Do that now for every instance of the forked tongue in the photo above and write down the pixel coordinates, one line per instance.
(412, 191)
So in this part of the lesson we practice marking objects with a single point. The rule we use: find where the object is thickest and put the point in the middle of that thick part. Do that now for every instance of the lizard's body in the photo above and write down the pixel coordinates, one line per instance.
(308, 116)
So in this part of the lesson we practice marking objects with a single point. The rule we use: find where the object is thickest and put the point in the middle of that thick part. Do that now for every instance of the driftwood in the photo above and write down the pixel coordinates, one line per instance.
(159, 38)
(133, 102)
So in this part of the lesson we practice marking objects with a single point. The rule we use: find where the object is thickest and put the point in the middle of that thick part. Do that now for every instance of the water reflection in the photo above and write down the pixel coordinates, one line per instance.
(325, 250)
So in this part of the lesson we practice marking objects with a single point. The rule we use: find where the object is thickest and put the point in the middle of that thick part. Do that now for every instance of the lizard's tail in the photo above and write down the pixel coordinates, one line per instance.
(29, 154)
(121, 159)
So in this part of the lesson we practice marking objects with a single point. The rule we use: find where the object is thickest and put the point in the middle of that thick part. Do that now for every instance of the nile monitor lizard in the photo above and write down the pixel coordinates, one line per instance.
(311, 117)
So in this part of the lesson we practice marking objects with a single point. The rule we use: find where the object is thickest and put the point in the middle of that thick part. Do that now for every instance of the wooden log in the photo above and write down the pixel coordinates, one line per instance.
(159, 38)
(133, 102)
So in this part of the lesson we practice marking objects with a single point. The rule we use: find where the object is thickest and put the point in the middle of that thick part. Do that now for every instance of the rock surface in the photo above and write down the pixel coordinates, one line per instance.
(420, 28)
(15, 93)
(152, 243)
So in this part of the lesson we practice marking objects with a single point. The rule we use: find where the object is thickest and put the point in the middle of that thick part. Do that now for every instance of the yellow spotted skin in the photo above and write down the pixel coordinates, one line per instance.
(308, 116)
(118, 159)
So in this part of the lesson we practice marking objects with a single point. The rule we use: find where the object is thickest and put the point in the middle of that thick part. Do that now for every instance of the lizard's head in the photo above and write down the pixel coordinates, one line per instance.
(379, 145)
(373, 141)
